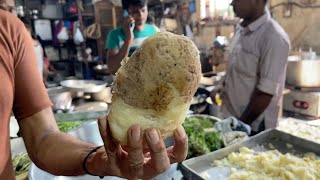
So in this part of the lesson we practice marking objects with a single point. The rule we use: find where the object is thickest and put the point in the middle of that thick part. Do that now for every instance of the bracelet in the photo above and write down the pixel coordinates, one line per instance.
(85, 160)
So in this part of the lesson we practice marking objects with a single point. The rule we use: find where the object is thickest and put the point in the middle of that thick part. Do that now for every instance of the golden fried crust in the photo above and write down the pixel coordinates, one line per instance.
(164, 62)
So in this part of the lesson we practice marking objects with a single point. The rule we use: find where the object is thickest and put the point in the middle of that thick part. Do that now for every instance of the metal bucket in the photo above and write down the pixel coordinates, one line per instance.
(303, 73)
(61, 98)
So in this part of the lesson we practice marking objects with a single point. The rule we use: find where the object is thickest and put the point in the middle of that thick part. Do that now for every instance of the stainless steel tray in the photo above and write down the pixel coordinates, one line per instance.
(192, 168)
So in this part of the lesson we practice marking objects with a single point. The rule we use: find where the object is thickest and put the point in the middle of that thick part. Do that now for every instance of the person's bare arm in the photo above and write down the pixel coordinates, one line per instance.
(258, 103)
(114, 56)
(44, 68)
(56, 152)
(45, 74)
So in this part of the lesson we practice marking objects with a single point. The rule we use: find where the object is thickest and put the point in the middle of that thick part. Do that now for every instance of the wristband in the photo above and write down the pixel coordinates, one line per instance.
(85, 160)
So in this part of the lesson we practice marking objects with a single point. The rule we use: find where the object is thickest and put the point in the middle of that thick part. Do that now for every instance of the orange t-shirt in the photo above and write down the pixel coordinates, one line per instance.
(21, 88)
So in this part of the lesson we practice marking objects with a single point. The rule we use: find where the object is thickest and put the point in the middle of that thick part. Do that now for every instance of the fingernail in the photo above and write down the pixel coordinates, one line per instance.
(181, 132)
(135, 133)
(153, 135)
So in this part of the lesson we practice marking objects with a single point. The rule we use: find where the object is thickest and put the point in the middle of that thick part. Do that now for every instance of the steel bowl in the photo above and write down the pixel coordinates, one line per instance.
(61, 98)
(88, 86)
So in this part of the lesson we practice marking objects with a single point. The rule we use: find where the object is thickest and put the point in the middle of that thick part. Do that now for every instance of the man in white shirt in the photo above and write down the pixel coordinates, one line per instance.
(256, 69)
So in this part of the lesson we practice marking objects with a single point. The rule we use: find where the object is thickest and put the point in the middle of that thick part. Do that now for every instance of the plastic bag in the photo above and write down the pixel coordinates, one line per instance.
(63, 35)
(78, 37)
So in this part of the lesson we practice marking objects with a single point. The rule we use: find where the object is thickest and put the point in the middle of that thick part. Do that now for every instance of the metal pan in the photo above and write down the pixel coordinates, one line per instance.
(193, 168)
(88, 86)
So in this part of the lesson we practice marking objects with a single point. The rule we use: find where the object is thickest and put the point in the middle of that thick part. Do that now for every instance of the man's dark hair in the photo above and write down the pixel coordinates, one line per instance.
(127, 3)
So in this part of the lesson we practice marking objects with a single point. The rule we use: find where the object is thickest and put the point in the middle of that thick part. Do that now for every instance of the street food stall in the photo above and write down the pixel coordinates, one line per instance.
(82, 38)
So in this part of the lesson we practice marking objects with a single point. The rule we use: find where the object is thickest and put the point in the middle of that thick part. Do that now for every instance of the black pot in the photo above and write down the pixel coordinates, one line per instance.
(199, 104)
(102, 69)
